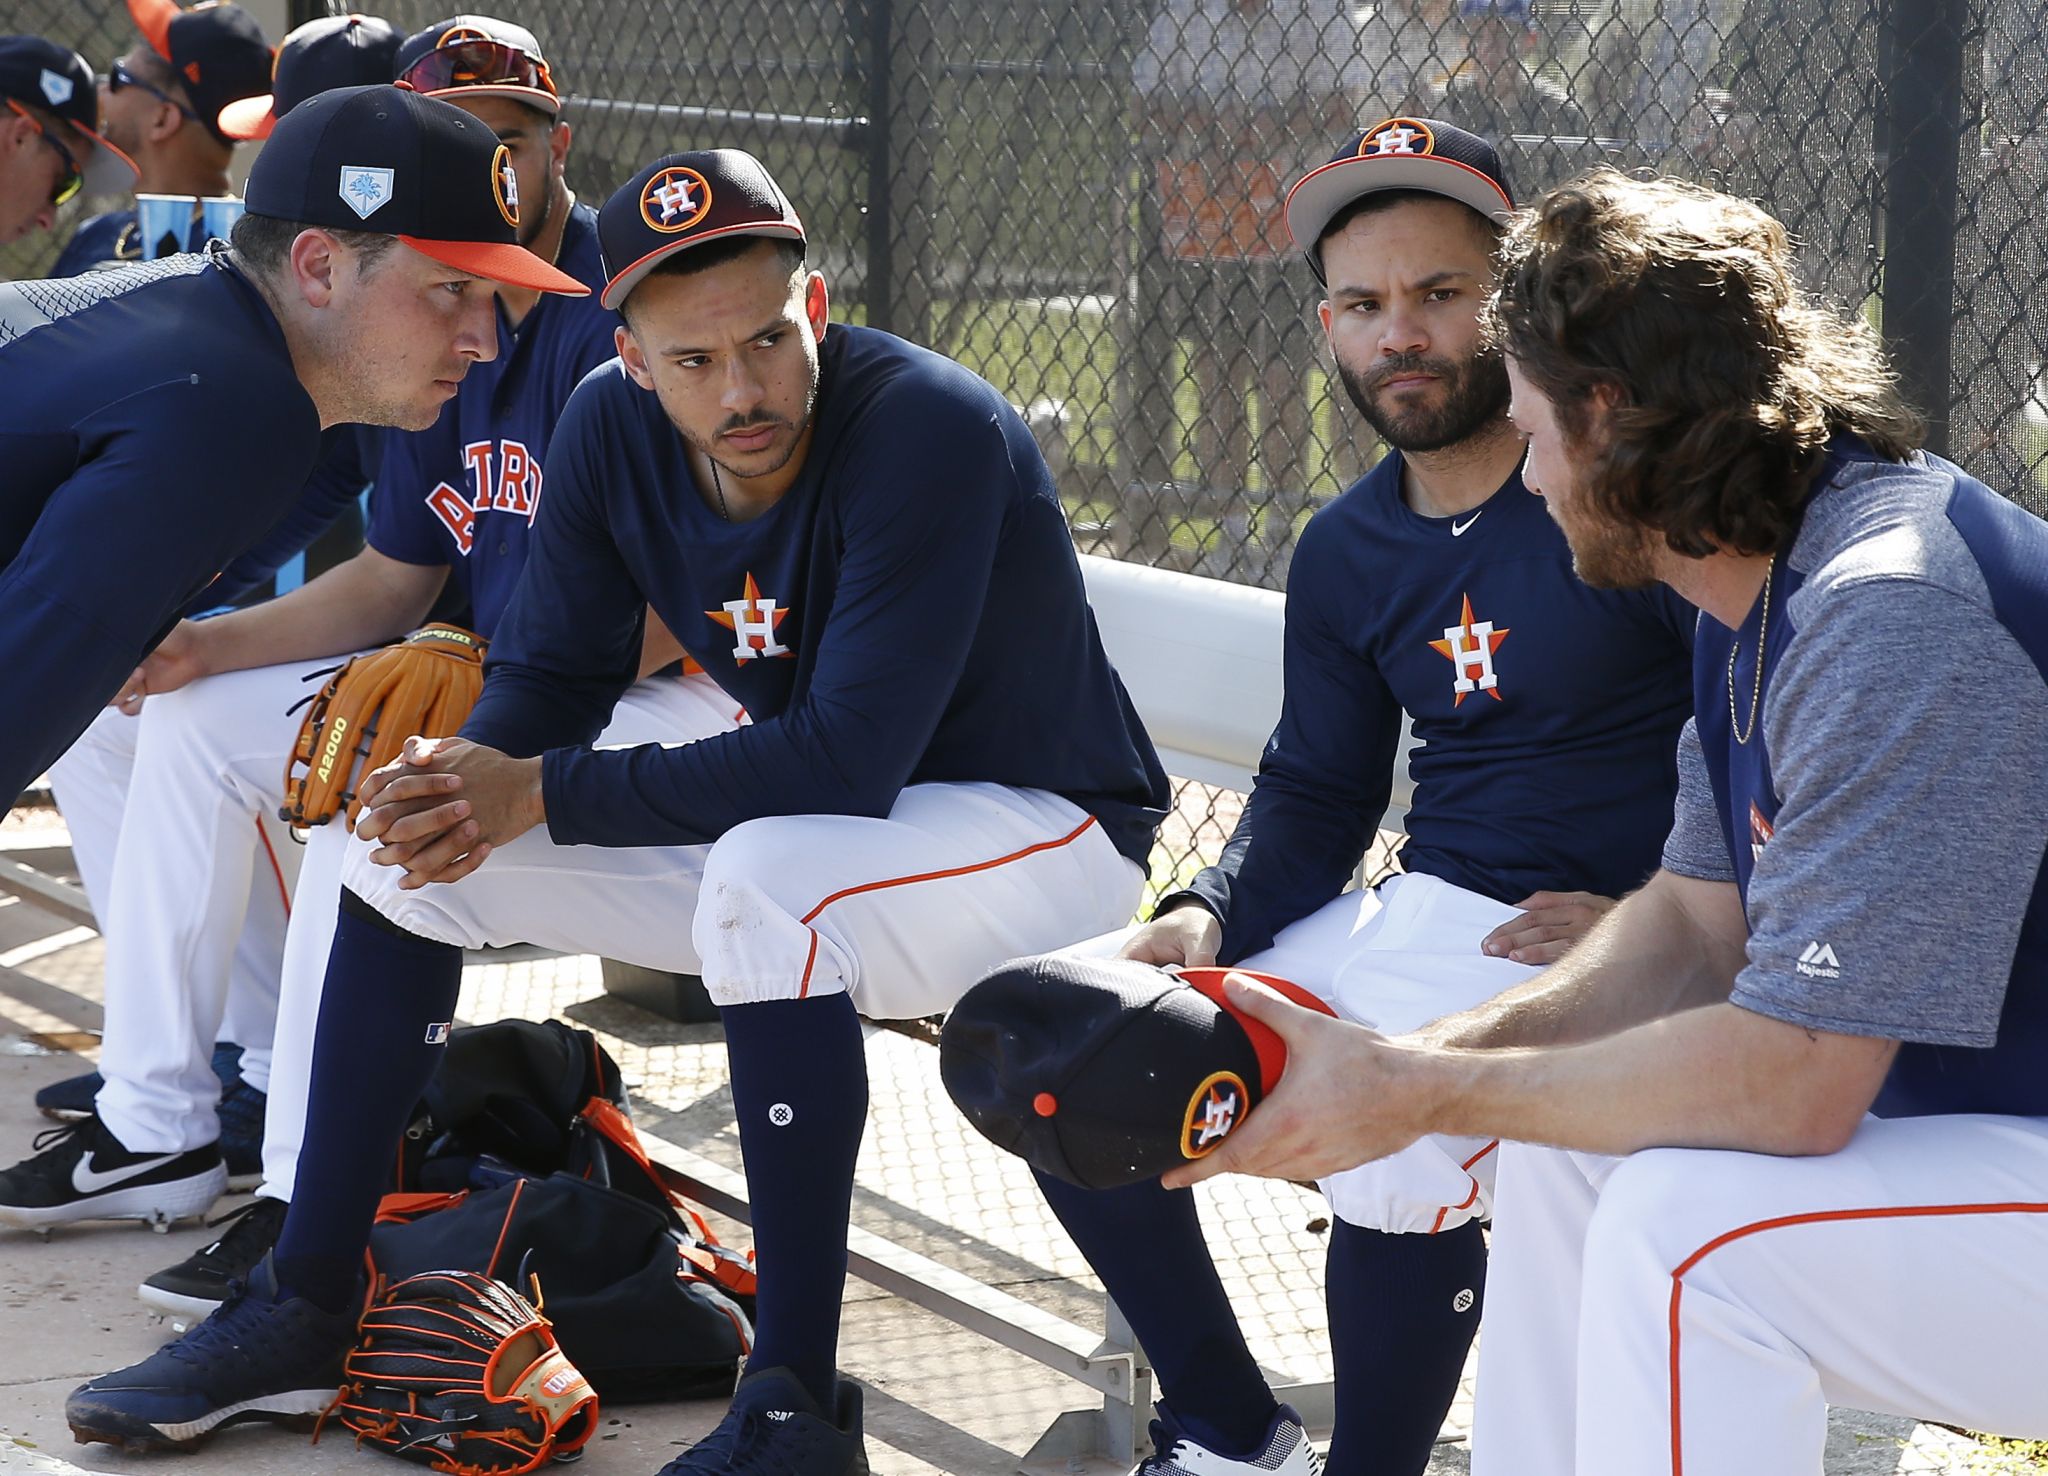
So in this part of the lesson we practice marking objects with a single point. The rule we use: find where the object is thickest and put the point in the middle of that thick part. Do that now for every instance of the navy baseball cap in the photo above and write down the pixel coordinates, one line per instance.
(478, 56)
(333, 51)
(58, 80)
(392, 161)
(216, 49)
(1105, 1072)
(684, 200)
(1398, 154)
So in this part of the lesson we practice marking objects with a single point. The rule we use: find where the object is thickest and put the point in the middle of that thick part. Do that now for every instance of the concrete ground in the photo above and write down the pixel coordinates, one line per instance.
(939, 1399)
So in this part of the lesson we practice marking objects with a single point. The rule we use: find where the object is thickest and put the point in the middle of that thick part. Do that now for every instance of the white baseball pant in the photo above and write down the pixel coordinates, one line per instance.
(173, 816)
(1395, 957)
(1684, 1312)
(902, 913)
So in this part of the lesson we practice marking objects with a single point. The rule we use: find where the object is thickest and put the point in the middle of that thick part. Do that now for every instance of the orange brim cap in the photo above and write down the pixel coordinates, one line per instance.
(153, 18)
(498, 261)
(252, 117)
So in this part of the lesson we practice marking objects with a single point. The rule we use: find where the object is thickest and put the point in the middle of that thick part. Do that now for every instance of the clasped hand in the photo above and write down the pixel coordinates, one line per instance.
(444, 805)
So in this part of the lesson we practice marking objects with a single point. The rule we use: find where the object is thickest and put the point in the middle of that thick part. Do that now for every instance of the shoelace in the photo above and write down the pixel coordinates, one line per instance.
(762, 1453)
(259, 1217)
(746, 1446)
(240, 1331)
(1164, 1443)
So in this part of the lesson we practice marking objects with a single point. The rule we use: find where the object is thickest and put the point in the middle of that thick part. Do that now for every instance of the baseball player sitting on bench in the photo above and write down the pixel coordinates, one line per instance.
(205, 899)
(1792, 1090)
(860, 541)
(218, 718)
(1549, 715)
(130, 399)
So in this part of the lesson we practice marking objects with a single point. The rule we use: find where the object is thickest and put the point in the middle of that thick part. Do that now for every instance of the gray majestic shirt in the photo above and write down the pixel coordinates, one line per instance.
(1888, 815)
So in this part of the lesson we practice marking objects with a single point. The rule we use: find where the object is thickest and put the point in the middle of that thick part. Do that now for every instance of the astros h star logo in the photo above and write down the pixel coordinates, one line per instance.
(675, 200)
(1216, 1107)
(753, 620)
(1398, 136)
(1469, 646)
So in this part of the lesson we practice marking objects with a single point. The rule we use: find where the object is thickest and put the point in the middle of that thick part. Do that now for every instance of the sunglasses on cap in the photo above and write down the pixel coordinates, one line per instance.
(73, 178)
(118, 77)
(477, 64)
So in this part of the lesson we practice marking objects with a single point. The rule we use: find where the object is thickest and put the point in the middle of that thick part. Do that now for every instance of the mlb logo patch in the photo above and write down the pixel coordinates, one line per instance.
(366, 190)
(438, 1034)
(57, 87)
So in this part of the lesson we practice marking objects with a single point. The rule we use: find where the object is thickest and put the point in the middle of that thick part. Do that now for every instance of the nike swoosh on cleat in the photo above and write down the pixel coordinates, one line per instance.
(89, 1181)
(1458, 529)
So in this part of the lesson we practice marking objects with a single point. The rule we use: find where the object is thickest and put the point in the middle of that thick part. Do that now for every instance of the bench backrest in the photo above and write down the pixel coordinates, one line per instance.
(1201, 659)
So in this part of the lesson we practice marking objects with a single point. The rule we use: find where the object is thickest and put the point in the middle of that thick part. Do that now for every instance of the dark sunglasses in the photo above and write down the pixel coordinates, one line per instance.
(73, 179)
(477, 64)
(118, 77)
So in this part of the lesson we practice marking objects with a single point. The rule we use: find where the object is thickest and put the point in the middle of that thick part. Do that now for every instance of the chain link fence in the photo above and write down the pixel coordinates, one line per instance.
(1080, 201)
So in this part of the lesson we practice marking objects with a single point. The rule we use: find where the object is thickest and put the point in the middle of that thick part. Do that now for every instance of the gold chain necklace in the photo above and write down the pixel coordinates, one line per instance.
(718, 486)
(1756, 695)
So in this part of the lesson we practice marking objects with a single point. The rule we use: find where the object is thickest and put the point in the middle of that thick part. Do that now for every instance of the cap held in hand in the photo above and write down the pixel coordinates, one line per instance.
(1105, 1072)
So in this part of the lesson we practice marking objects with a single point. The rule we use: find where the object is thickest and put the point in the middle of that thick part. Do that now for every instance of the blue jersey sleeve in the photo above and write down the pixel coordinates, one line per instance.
(1323, 782)
(97, 581)
(568, 644)
(921, 519)
(338, 479)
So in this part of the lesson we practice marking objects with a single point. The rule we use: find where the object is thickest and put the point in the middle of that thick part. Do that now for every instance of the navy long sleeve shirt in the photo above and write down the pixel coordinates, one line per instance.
(151, 429)
(910, 611)
(1548, 713)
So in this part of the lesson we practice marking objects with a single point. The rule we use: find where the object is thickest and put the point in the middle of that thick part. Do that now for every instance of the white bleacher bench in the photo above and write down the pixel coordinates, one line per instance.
(1202, 661)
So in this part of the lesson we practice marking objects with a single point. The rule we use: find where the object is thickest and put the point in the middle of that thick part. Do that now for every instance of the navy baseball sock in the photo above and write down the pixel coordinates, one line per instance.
(384, 1019)
(800, 1094)
(1403, 1311)
(1146, 1244)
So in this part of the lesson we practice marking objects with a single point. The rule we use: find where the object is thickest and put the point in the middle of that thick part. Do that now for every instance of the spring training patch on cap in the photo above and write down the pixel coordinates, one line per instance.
(1398, 136)
(366, 190)
(675, 199)
(505, 185)
(56, 88)
(1216, 1107)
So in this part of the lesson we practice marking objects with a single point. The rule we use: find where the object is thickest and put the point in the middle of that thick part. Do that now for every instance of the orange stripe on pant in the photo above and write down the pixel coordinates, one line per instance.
(1819, 1217)
(284, 893)
(1437, 1228)
(808, 918)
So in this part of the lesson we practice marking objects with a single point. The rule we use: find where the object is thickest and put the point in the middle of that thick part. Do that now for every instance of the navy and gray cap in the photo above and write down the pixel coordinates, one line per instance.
(1399, 154)
(685, 200)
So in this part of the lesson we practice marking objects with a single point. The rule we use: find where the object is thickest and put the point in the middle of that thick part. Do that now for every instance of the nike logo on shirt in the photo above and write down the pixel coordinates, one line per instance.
(1458, 529)
(86, 1180)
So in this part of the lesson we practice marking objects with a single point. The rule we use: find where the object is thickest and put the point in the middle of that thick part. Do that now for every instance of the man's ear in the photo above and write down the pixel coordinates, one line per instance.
(311, 263)
(558, 145)
(817, 303)
(631, 356)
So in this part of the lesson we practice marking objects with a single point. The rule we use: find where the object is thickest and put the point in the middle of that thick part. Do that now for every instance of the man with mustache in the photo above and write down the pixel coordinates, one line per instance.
(1549, 716)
